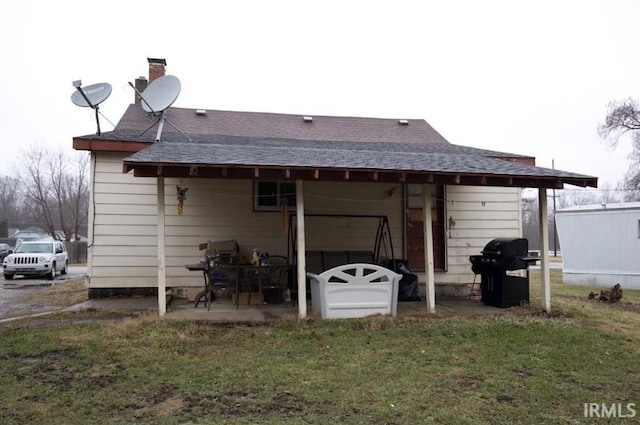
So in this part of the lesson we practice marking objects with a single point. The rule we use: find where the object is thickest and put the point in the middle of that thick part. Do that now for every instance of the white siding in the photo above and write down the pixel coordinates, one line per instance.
(123, 245)
(600, 247)
(123, 238)
(474, 216)
(124, 250)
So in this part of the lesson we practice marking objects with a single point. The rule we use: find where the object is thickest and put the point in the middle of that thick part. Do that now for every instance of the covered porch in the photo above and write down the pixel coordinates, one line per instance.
(301, 310)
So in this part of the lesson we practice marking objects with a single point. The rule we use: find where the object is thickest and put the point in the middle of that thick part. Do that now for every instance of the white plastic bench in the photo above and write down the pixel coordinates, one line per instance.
(354, 290)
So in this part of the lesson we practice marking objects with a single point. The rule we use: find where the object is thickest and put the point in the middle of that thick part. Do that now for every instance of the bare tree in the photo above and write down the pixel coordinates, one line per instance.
(574, 197)
(56, 190)
(623, 120)
(35, 176)
(77, 199)
(632, 178)
(10, 200)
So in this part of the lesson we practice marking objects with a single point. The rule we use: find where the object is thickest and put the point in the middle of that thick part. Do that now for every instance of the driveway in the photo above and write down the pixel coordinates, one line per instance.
(13, 292)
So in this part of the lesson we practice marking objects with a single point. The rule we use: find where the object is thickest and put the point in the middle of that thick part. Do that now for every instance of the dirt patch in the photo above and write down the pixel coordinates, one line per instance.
(168, 407)
(247, 404)
(503, 398)
(161, 401)
(523, 373)
(469, 383)
(49, 367)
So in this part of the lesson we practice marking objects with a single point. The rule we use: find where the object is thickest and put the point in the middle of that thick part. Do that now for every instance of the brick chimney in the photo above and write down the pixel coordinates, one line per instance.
(156, 68)
(141, 86)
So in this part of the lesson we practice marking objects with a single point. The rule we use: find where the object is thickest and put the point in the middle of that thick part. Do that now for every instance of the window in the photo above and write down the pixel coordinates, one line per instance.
(270, 196)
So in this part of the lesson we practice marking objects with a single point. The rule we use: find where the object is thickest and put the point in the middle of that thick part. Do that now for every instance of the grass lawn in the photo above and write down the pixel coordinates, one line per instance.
(523, 367)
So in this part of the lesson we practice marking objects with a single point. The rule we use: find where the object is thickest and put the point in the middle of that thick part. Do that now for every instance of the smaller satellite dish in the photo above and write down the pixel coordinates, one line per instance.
(91, 96)
(160, 94)
(94, 95)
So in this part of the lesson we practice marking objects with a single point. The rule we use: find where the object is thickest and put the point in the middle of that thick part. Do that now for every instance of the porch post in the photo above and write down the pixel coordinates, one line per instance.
(301, 244)
(545, 278)
(428, 249)
(162, 278)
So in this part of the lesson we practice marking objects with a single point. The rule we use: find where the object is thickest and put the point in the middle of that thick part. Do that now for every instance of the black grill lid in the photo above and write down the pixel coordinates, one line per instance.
(507, 247)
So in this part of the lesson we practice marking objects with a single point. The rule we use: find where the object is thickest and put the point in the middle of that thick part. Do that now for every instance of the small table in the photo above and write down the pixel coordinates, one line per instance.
(234, 273)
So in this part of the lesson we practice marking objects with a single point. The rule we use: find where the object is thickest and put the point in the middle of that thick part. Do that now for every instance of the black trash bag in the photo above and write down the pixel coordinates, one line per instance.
(408, 290)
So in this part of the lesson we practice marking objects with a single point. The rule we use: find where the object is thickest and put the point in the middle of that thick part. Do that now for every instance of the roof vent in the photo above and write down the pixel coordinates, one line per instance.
(307, 119)
(403, 122)
(201, 112)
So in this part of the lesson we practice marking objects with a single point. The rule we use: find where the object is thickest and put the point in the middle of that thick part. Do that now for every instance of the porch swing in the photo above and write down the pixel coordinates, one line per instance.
(319, 261)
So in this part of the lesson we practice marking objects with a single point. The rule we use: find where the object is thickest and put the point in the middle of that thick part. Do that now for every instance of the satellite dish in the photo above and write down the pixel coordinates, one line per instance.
(160, 94)
(91, 96)
(158, 97)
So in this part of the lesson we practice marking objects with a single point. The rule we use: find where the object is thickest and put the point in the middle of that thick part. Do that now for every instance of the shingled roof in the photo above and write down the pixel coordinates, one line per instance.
(226, 144)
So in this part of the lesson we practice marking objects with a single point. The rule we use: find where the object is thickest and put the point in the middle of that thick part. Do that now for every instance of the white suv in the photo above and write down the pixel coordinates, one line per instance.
(37, 258)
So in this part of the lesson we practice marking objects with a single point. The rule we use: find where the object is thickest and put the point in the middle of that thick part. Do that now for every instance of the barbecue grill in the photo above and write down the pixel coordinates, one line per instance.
(504, 270)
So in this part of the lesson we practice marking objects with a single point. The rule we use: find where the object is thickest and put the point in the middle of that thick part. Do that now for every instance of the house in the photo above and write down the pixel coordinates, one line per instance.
(601, 244)
(28, 234)
(247, 173)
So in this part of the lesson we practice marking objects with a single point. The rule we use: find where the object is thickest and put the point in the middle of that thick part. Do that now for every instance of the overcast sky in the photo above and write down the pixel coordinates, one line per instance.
(527, 77)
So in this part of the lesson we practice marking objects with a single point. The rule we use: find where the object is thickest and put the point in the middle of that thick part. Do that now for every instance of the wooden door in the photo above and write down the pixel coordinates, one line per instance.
(414, 228)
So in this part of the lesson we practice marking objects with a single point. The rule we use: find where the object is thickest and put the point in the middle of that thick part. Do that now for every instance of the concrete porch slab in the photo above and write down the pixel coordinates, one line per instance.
(224, 311)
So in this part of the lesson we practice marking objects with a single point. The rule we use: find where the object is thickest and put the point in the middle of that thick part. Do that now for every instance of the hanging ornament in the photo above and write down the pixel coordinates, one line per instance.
(182, 196)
